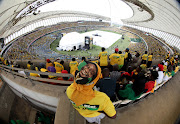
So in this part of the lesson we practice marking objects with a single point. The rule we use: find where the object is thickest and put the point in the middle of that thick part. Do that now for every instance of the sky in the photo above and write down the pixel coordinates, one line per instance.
(115, 9)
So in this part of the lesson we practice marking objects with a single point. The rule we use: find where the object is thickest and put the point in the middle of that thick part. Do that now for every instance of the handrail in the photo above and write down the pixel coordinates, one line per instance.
(32, 78)
(38, 72)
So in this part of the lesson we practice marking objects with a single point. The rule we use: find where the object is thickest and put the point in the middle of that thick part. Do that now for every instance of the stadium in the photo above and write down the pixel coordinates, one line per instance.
(38, 32)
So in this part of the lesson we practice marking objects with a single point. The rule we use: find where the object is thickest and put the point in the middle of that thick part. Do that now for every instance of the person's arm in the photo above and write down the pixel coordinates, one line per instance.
(109, 108)
(113, 117)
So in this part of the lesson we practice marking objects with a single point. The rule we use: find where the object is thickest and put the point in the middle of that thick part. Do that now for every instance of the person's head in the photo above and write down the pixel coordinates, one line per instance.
(154, 75)
(103, 49)
(62, 62)
(29, 62)
(105, 72)
(130, 69)
(48, 60)
(151, 53)
(120, 52)
(73, 59)
(127, 49)
(115, 67)
(116, 50)
(88, 69)
(138, 69)
(170, 68)
(83, 58)
(145, 52)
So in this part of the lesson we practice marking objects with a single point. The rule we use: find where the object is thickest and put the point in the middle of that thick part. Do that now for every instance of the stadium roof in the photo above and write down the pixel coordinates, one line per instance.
(161, 15)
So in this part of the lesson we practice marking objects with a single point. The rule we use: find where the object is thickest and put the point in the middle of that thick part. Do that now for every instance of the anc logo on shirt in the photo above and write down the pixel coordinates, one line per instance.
(86, 106)
(116, 57)
(73, 63)
(104, 54)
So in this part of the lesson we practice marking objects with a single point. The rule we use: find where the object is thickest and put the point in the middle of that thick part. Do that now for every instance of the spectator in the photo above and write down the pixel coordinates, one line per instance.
(135, 60)
(121, 60)
(83, 59)
(103, 58)
(48, 63)
(107, 85)
(29, 64)
(133, 91)
(160, 74)
(169, 73)
(114, 58)
(144, 57)
(43, 69)
(51, 69)
(73, 65)
(34, 74)
(59, 66)
(167, 56)
(85, 100)
(115, 74)
(127, 59)
(143, 65)
(127, 76)
(65, 78)
(149, 60)
(149, 86)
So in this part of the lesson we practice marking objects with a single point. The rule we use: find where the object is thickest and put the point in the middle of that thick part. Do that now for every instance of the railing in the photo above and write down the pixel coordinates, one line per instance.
(26, 75)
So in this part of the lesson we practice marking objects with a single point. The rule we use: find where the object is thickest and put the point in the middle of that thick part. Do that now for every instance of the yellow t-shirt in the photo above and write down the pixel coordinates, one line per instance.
(48, 64)
(165, 68)
(59, 67)
(103, 58)
(114, 58)
(150, 58)
(101, 102)
(126, 55)
(28, 66)
(121, 60)
(73, 65)
(144, 57)
(176, 69)
(34, 74)
(167, 56)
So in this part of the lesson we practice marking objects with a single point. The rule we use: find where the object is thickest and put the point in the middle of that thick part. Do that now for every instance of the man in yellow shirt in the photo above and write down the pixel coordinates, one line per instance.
(48, 63)
(167, 56)
(29, 64)
(144, 57)
(114, 58)
(59, 66)
(149, 60)
(73, 65)
(88, 102)
(103, 58)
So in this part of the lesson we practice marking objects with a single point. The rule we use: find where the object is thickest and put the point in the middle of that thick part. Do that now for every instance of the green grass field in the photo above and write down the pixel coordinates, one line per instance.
(121, 44)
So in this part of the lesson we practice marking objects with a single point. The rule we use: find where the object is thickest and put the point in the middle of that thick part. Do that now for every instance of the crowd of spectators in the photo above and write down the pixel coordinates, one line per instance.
(154, 46)
(20, 48)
